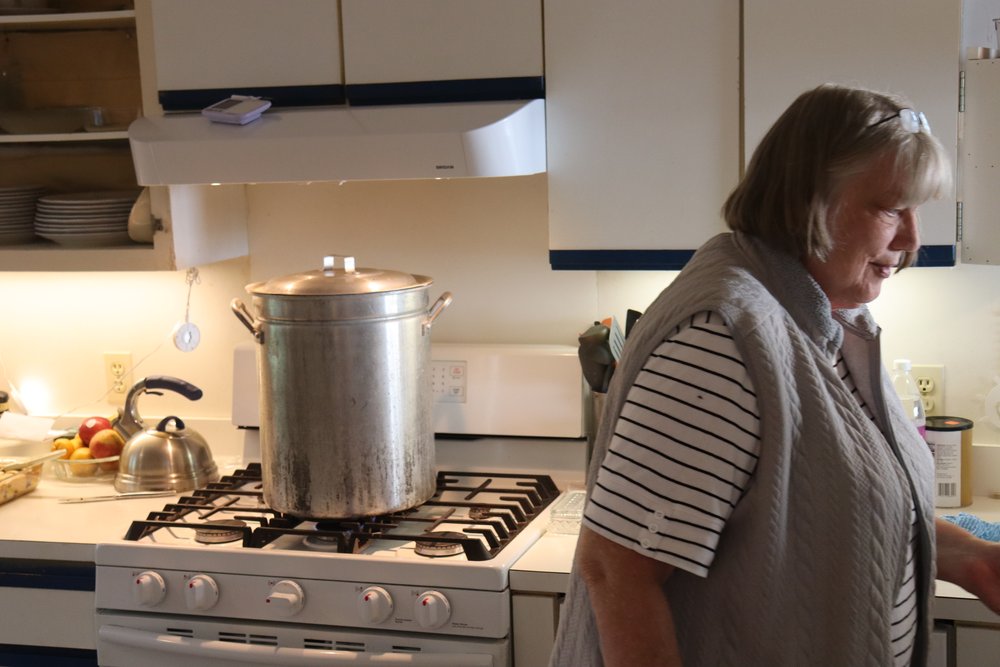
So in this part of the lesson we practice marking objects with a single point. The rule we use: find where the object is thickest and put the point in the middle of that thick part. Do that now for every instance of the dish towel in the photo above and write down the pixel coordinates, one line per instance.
(978, 527)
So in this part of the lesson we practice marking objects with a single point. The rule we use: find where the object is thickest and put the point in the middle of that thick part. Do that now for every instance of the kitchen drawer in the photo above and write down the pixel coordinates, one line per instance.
(48, 617)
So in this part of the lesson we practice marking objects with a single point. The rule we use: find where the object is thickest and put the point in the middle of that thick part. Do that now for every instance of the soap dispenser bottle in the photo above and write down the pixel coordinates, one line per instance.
(909, 394)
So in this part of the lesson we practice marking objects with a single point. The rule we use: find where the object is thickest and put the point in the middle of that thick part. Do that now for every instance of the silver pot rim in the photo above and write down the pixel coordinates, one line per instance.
(333, 281)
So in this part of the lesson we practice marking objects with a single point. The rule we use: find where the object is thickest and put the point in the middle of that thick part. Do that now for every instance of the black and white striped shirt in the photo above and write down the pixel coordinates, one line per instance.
(683, 452)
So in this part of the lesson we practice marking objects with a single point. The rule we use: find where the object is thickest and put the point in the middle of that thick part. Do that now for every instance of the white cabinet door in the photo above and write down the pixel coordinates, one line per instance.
(393, 41)
(940, 646)
(980, 167)
(245, 44)
(643, 114)
(976, 646)
(910, 47)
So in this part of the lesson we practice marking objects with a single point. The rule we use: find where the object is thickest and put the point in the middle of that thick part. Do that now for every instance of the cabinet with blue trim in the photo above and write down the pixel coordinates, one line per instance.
(909, 47)
(442, 50)
(204, 50)
(643, 126)
(653, 112)
(325, 52)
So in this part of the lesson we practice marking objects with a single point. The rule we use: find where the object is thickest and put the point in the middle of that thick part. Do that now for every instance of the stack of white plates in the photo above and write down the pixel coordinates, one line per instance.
(17, 214)
(85, 219)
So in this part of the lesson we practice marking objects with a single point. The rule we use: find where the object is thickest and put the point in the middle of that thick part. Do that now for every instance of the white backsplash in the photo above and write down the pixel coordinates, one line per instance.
(486, 241)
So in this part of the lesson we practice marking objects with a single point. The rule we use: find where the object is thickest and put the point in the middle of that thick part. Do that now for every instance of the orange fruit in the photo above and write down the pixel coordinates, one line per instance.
(66, 444)
(86, 467)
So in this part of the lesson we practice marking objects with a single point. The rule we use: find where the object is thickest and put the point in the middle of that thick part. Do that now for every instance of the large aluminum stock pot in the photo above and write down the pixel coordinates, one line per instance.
(345, 397)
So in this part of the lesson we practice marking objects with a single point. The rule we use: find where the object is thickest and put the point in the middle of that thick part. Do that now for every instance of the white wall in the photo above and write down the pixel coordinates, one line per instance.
(57, 326)
(484, 240)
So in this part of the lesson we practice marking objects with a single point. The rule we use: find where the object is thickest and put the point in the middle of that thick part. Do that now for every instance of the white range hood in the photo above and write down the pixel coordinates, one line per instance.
(474, 139)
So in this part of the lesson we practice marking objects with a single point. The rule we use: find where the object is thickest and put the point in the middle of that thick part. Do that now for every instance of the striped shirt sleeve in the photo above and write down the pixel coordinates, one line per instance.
(683, 449)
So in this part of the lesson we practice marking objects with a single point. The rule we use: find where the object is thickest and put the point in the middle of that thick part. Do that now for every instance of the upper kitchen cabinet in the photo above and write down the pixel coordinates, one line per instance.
(980, 167)
(909, 47)
(643, 126)
(69, 86)
(71, 81)
(405, 51)
(206, 50)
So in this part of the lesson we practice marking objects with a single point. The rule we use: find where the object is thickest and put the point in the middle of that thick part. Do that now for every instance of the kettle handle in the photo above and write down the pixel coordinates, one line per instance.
(130, 422)
(244, 316)
(185, 389)
(443, 302)
(178, 423)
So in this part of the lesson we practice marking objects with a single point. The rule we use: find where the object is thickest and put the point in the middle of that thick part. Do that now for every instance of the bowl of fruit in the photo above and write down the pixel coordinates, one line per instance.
(91, 454)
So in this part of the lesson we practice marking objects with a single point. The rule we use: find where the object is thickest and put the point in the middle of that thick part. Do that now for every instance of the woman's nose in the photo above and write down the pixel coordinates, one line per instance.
(907, 234)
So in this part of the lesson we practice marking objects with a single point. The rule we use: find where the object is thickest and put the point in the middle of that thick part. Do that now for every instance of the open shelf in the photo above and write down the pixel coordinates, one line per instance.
(68, 136)
(51, 257)
(69, 21)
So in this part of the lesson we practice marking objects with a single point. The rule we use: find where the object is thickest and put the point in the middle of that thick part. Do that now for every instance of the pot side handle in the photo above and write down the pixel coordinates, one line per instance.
(244, 316)
(443, 302)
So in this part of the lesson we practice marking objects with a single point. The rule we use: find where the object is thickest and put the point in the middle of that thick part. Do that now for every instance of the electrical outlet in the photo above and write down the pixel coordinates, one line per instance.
(118, 376)
(930, 382)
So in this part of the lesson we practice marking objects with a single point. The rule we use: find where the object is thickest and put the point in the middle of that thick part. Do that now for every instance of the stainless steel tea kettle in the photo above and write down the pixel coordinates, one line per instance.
(170, 457)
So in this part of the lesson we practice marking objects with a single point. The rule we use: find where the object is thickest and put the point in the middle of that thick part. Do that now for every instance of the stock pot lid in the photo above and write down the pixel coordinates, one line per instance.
(347, 279)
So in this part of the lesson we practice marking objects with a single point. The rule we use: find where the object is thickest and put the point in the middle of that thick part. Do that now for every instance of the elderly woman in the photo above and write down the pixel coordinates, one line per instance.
(758, 496)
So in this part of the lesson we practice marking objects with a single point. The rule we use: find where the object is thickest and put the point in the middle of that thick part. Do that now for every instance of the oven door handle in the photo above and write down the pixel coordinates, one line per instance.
(207, 649)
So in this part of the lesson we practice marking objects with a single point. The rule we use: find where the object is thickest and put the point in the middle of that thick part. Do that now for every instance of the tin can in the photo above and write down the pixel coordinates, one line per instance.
(950, 440)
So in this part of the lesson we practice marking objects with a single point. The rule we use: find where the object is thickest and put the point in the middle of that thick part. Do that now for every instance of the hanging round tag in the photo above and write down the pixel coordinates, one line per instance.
(186, 337)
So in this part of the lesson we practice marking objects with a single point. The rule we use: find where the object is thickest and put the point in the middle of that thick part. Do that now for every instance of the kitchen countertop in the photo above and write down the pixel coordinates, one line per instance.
(37, 526)
(546, 567)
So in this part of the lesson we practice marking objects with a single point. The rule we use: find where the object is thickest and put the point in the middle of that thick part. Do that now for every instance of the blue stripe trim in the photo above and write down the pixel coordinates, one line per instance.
(936, 255)
(674, 260)
(280, 96)
(416, 92)
(32, 656)
(619, 260)
(52, 575)
(457, 90)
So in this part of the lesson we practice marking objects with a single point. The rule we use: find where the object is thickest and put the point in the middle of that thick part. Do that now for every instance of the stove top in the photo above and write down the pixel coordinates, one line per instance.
(471, 517)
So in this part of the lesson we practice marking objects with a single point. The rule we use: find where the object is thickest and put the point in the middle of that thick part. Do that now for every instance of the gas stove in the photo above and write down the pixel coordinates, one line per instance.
(218, 578)
(219, 569)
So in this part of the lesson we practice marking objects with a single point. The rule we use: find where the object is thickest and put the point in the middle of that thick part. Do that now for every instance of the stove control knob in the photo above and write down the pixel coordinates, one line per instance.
(286, 598)
(149, 589)
(375, 604)
(201, 592)
(432, 610)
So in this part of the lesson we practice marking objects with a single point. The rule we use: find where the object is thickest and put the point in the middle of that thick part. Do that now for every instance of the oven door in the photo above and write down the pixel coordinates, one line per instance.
(126, 640)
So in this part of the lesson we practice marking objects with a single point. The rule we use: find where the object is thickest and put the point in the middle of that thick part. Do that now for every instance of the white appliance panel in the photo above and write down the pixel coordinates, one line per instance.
(503, 390)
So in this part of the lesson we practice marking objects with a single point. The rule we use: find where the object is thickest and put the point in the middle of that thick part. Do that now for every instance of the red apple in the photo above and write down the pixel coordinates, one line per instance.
(91, 426)
(106, 443)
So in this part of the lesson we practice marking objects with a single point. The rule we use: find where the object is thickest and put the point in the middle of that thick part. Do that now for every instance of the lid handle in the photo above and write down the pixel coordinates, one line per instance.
(330, 263)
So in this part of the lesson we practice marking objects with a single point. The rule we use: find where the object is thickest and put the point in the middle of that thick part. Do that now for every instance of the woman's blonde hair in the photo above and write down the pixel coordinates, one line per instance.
(789, 193)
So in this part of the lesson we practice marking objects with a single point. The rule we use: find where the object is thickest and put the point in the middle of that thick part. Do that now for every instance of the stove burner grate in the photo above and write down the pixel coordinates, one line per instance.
(496, 506)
